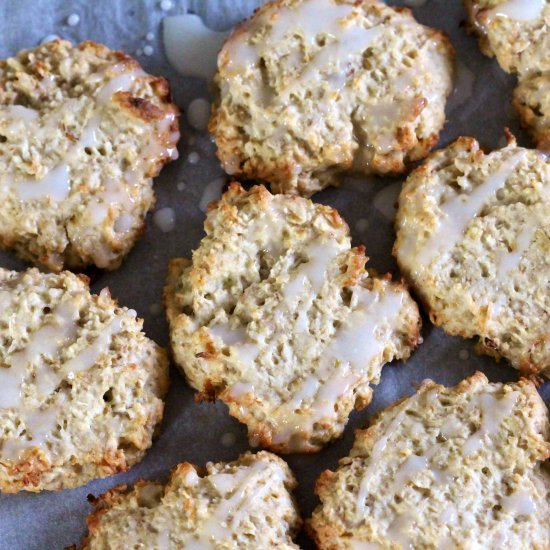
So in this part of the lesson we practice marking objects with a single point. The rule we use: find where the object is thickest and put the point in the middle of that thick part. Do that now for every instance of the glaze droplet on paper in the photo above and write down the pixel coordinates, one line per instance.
(198, 113)
(193, 157)
(459, 211)
(385, 201)
(73, 20)
(212, 191)
(165, 219)
(464, 81)
(192, 48)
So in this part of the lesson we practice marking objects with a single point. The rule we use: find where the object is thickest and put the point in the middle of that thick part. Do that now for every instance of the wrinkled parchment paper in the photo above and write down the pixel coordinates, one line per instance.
(202, 432)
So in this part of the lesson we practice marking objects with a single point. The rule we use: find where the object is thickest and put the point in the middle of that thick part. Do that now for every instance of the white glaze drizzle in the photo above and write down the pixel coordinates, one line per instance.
(238, 492)
(517, 10)
(350, 344)
(13, 113)
(155, 147)
(163, 540)
(501, 538)
(412, 466)
(46, 342)
(332, 56)
(351, 352)
(310, 19)
(458, 212)
(398, 530)
(382, 121)
(509, 261)
(312, 272)
(240, 389)
(314, 18)
(451, 427)
(115, 193)
(302, 321)
(446, 542)
(191, 478)
(242, 348)
(90, 355)
(374, 458)
(266, 229)
(121, 83)
(344, 362)
(47, 380)
(229, 336)
(39, 426)
(493, 412)
(223, 483)
(56, 183)
(519, 503)
(44, 346)
(449, 515)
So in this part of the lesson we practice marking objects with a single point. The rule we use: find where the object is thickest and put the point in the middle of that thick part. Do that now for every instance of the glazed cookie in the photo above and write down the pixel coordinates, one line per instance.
(245, 504)
(455, 467)
(312, 90)
(83, 130)
(472, 238)
(81, 386)
(514, 31)
(277, 317)
(517, 33)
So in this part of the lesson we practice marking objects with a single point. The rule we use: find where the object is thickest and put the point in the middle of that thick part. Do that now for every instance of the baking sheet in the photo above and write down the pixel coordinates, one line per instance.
(199, 433)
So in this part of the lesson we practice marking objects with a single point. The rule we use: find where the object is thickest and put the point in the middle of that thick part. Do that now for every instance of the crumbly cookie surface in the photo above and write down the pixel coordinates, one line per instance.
(514, 31)
(517, 33)
(242, 504)
(458, 467)
(81, 385)
(472, 238)
(532, 102)
(83, 130)
(276, 316)
(311, 90)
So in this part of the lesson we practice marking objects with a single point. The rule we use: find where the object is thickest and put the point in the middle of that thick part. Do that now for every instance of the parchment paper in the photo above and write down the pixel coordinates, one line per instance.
(198, 433)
